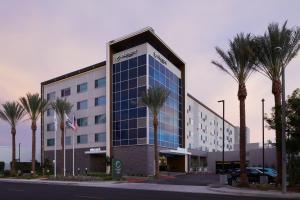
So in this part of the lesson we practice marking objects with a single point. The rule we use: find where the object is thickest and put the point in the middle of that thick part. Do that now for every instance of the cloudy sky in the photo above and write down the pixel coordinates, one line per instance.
(40, 40)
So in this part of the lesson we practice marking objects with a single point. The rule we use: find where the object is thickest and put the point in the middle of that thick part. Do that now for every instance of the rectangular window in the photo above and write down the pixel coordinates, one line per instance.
(82, 87)
(100, 119)
(99, 83)
(100, 101)
(68, 140)
(82, 121)
(82, 105)
(82, 139)
(50, 142)
(50, 127)
(65, 92)
(50, 112)
(100, 137)
(51, 96)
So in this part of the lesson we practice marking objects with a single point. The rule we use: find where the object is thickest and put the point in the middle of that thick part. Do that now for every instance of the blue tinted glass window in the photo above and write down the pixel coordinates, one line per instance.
(124, 65)
(132, 113)
(142, 60)
(133, 73)
(142, 70)
(82, 87)
(133, 62)
(133, 83)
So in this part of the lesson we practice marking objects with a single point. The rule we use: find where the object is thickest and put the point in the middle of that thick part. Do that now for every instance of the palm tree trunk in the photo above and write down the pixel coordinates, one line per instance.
(33, 128)
(156, 154)
(276, 90)
(62, 141)
(13, 166)
(242, 94)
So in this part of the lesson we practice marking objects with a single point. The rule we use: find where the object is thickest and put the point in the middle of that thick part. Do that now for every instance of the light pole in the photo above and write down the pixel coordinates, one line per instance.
(263, 135)
(223, 146)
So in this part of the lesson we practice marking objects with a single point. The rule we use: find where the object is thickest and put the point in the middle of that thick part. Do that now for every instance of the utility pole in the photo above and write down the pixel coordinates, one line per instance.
(19, 152)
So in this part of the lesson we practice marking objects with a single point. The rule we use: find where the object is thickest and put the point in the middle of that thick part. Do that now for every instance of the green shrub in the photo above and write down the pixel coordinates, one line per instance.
(2, 164)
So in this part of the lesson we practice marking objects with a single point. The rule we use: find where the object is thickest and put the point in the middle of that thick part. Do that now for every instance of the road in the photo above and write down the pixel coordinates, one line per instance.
(17, 191)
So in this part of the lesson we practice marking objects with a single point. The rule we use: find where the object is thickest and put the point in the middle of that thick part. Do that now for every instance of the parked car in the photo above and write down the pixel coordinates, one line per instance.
(252, 173)
(270, 172)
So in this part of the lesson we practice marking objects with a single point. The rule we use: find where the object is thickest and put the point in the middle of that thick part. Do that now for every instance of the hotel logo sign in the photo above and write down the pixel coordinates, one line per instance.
(159, 57)
(126, 55)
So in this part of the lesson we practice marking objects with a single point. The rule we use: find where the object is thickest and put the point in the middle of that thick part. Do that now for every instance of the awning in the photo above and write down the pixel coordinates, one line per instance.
(95, 151)
(178, 151)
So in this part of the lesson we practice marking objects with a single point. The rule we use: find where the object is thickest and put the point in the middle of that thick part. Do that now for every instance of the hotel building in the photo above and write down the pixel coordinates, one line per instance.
(113, 121)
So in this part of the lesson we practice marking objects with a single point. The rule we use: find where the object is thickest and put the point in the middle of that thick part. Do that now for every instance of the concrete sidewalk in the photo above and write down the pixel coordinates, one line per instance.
(225, 190)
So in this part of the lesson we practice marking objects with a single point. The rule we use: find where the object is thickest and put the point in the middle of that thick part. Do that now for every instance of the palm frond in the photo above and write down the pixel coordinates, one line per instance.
(61, 106)
(12, 112)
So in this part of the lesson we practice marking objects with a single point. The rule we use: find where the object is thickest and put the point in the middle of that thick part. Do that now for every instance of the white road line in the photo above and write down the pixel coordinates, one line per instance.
(89, 197)
(15, 190)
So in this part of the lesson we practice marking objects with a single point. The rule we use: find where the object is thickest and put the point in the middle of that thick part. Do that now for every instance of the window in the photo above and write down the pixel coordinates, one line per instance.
(82, 87)
(100, 119)
(68, 140)
(51, 96)
(50, 112)
(82, 121)
(100, 101)
(82, 139)
(100, 137)
(50, 142)
(50, 127)
(99, 83)
(82, 105)
(65, 92)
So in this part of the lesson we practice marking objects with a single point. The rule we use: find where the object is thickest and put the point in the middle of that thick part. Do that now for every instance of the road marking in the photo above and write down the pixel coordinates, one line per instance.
(89, 197)
(15, 190)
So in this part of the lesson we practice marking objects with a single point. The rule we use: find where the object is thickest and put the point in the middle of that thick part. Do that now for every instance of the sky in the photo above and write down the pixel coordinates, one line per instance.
(40, 40)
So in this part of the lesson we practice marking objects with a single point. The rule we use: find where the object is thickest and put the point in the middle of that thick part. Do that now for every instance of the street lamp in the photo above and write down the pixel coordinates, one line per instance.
(263, 135)
(223, 118)
(19, 152)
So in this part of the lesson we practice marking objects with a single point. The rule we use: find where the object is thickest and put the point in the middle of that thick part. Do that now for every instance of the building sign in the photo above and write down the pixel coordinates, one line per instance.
(163, 61)
(117, 168)
(126, 55)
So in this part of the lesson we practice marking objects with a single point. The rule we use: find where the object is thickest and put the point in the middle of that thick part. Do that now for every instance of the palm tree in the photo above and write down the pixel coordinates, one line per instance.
(275, 49)
(34, 105)
(154, 99)
(12, 112)
(239, 61)
(62, 107)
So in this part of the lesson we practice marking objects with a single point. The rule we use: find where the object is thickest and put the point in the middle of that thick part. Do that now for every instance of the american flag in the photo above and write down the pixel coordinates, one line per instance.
(71, 124)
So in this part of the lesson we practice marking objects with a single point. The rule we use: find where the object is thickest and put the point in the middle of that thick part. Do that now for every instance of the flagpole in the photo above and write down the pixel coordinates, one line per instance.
(73, 154)
(64, 147)
(55, 153)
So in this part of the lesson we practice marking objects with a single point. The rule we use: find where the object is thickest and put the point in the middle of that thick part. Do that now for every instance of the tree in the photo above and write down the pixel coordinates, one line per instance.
(275, 49)
(239, 63)
(62, 107)
(12, 113)
(34, 105)
(154, 99)
(292, 134)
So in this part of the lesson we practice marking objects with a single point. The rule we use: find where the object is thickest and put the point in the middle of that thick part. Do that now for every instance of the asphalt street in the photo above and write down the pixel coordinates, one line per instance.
(17, 191)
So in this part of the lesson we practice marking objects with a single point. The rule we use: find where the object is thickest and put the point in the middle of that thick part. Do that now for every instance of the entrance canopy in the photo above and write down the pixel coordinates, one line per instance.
(95, 151)
(178, 151)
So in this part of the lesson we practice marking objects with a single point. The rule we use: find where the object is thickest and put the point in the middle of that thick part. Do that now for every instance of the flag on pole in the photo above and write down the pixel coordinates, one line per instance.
(55, 121)
(70, 124)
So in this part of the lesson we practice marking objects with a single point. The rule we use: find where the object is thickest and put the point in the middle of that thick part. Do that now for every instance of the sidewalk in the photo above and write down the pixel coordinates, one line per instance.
(225, 190)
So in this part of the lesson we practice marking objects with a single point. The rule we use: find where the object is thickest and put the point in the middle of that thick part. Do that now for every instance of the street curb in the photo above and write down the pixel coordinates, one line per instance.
(257, 194)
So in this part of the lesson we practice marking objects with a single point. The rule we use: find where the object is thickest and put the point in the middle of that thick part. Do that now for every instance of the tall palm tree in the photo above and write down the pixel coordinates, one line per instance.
(154, 99)
(12, 112)
(62, 107)
(34, 105)
(238, 63)
(275, 49)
